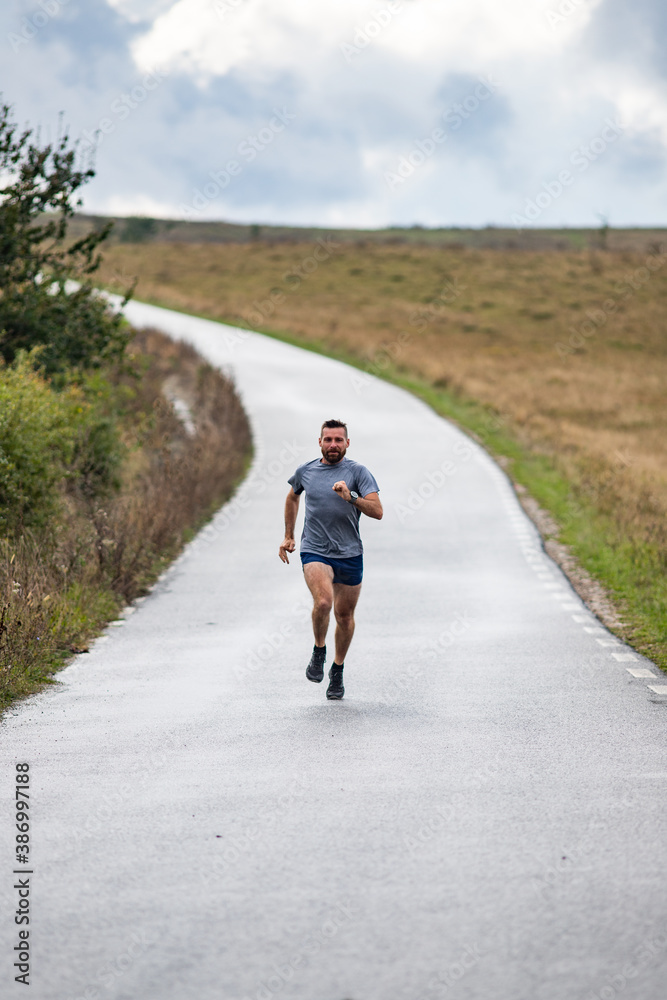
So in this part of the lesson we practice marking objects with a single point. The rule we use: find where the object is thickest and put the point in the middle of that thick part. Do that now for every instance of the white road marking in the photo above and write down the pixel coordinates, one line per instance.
(623, 657)
(608, 642)
(640, 672)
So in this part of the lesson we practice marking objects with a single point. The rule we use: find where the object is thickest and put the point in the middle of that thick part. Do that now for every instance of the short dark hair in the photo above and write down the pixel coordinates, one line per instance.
(333, 423)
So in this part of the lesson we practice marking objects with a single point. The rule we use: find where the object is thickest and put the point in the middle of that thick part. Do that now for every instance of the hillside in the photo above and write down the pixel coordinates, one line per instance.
(140, 229)
(555, 357)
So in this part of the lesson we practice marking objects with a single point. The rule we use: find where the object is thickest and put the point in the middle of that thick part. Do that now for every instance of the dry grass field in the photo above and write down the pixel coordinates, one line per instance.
(568, 349)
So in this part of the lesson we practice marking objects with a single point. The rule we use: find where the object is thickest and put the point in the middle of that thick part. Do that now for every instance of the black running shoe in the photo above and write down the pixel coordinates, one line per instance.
(335, 691)
(315, 669)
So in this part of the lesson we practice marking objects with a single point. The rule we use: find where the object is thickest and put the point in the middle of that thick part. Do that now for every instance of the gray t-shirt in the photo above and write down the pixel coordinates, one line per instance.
(332, 524)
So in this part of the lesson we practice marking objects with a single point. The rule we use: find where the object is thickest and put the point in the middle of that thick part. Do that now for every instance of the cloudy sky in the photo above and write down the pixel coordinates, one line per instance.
(354, 112)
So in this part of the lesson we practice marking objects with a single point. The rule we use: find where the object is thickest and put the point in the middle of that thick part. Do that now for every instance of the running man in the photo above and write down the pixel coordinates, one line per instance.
(338, 492)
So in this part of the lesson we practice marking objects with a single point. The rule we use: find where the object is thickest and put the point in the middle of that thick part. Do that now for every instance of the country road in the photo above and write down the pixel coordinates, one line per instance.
(483, 817)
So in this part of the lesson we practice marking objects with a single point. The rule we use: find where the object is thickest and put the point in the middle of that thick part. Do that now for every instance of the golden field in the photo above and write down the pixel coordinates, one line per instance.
(563, 353)
(569, 348)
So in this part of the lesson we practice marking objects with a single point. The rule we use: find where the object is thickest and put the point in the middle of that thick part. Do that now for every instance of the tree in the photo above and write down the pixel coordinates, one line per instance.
(39, 304)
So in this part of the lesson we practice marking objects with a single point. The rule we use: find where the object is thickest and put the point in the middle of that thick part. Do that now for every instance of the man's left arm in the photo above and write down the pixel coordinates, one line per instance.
(370, 505)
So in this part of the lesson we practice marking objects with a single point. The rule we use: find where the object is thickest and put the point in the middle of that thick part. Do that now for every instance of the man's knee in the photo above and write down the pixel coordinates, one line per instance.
(322, 604)
(345, 617)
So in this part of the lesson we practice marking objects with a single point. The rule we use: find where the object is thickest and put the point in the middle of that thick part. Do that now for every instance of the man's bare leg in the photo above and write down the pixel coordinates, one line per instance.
(319, 579)
(345, 601)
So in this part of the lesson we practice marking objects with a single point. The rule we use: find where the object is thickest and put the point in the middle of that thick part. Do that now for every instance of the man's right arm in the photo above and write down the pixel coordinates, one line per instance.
(291, 511)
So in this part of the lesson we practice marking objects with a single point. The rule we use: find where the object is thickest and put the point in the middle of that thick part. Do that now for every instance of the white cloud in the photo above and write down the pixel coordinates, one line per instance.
(136, 204)
(136, 11)
(210, 37)
(641, 102)
(232, 62)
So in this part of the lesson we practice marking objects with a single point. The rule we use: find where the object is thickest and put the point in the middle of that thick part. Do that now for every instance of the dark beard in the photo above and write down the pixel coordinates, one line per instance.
(335, 459)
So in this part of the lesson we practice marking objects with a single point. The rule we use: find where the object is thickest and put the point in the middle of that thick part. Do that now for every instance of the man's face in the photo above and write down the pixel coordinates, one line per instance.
(334, 444)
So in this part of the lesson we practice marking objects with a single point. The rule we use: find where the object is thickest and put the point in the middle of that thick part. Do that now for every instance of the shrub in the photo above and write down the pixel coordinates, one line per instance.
(46, 439)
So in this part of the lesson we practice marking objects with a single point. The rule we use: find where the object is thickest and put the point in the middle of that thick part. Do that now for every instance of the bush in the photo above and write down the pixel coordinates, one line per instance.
(75, 327)
(61, 583)
(48, 438)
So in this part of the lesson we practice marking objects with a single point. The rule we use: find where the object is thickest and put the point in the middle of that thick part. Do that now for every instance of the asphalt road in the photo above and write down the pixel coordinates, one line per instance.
(481, 818)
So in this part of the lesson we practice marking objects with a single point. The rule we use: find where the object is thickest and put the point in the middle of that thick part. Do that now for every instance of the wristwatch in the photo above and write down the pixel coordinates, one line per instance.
(353, 497)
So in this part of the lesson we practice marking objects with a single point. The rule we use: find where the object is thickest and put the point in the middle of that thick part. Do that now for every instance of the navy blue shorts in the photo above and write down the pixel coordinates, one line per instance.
(348, 571)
